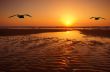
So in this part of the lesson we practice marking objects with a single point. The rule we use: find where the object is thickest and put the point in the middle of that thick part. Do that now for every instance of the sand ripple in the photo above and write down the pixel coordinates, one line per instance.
(33, 54)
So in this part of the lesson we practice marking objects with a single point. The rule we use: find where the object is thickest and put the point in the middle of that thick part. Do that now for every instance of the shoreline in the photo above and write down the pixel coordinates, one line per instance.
(91, 32)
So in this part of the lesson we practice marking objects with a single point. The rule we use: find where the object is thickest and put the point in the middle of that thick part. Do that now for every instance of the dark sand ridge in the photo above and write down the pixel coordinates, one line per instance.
(14, 32)
(96, 32)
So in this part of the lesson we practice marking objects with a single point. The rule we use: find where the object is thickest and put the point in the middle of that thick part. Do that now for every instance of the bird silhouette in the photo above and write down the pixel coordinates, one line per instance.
(97, 18)
(20, 16)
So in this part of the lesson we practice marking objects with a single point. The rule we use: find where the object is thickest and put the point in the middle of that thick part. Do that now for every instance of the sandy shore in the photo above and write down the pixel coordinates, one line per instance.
(33, 54)
(30, 53)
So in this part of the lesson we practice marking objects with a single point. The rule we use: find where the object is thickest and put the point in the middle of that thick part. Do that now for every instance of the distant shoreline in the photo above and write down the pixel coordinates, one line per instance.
(35, 27)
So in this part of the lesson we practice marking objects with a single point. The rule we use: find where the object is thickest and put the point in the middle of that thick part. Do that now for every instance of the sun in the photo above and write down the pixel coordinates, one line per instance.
(68, 20)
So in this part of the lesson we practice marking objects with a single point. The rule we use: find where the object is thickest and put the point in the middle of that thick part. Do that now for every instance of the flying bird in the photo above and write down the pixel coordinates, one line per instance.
(97, 18)
(20, 16)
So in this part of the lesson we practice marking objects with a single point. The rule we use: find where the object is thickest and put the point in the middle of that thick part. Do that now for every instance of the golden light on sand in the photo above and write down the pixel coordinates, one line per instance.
(68, 20)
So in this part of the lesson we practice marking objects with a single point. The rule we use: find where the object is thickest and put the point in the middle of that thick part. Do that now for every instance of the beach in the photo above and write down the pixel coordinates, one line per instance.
(57, 50)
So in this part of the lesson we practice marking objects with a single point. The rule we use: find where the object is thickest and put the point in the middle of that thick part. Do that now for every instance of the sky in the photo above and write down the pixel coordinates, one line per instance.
(55, 12)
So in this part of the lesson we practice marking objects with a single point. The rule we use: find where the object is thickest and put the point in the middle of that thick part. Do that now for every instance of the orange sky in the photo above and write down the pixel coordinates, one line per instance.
(55, 12)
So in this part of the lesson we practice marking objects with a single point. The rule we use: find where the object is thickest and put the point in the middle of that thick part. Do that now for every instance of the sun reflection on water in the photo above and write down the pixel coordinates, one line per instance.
(62, 35)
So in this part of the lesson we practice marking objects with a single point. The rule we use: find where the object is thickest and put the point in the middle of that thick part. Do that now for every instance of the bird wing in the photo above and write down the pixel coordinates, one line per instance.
(12, 16)
(92, 17)
(27, 15)
(103, 18)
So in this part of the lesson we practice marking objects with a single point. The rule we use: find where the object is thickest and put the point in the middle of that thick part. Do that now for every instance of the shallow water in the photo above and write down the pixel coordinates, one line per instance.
(68, 51)
(62, 35)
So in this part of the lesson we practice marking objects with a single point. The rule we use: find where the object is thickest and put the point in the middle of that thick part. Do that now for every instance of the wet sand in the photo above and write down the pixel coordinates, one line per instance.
(30, 53)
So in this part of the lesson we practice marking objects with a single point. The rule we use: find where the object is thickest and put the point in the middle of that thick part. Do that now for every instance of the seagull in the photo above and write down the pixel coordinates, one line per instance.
(20, 16)
(97, 18)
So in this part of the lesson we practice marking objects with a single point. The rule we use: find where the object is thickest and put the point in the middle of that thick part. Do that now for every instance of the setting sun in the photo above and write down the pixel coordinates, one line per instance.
(68, 20)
